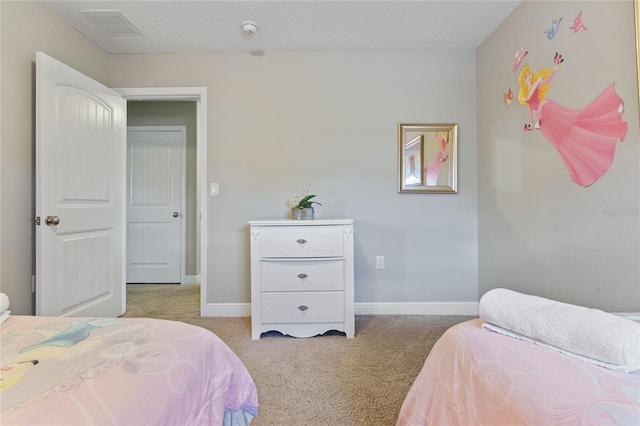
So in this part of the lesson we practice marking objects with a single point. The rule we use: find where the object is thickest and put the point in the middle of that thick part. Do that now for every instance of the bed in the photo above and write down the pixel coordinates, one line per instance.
(476, 376)
(119, 371)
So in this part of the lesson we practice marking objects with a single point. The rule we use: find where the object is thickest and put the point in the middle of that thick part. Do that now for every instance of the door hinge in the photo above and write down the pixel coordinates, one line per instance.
(37, 221)
(33, 283)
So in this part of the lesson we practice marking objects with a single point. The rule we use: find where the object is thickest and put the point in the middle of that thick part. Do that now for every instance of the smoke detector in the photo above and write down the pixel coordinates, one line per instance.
(249, 27)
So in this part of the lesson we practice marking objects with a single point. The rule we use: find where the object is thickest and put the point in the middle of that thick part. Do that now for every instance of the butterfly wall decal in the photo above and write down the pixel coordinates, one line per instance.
(555, 25)
(577, 24)
(518, 57)
(507, 98)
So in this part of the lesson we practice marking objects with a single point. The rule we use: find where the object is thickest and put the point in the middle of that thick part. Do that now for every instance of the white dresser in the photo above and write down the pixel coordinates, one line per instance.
(302, 277)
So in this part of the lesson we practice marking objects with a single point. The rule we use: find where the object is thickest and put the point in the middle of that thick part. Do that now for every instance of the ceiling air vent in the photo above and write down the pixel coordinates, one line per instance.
(113, 22)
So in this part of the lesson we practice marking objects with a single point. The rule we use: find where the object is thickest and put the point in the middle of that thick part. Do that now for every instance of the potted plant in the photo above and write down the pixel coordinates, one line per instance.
(303, 208)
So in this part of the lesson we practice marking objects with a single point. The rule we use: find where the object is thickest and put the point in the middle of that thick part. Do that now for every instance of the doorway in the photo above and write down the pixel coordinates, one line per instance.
(157, 104)
(107, 242)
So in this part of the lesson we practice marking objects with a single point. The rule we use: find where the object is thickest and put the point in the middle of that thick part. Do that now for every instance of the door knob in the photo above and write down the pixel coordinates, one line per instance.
(176, 214)
(52, 220)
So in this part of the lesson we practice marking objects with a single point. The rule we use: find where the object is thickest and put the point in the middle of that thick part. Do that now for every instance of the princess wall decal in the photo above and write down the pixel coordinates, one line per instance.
(586, 138)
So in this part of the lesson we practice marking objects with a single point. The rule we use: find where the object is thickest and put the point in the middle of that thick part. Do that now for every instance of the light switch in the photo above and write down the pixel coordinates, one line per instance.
(214, 190)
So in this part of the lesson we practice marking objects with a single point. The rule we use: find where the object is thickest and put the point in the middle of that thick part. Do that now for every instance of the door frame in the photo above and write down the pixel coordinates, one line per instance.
(183, 189)
(198, 95)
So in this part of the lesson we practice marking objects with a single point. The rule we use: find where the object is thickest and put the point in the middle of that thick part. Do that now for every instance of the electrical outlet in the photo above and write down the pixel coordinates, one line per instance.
(379, 262)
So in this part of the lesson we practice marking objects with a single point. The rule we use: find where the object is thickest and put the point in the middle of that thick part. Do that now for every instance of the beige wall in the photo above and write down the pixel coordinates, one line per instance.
(279, 121)
(176, 114)
(539, 232)
(27, 27)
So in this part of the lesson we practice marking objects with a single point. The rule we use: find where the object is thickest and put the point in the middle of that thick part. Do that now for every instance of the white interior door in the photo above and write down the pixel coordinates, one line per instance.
(155, 188)
(80, 181)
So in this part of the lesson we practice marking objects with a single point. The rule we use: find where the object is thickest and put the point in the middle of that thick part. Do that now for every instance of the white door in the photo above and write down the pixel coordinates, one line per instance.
(80, 178)
(155, 165)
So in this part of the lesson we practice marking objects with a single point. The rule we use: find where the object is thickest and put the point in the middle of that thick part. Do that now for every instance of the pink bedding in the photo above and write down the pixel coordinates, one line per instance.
(65, 371)
(478, 377)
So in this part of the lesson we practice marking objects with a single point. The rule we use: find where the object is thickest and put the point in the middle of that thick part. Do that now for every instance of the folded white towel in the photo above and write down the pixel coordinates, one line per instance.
(583, 331)
(4, 302)
(504, 331)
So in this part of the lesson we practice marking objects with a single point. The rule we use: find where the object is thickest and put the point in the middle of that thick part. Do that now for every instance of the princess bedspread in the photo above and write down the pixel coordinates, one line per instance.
(474, 376)
(117, 371)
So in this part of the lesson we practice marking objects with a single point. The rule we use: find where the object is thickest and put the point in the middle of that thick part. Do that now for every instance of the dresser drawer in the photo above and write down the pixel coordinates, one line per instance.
(304, 275)
(295, 307)
(301, 241)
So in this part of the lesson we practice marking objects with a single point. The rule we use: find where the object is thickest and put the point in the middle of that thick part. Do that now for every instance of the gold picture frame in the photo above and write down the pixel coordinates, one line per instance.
(427, 158)
(636, 7)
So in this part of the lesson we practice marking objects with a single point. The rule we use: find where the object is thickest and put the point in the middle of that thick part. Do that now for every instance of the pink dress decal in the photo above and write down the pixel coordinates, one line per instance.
(585, 138)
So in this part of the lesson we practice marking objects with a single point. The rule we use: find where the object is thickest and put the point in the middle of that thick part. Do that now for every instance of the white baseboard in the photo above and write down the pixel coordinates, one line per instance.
(400, 308)
(418, 308)
(228, 310)
(191, 279)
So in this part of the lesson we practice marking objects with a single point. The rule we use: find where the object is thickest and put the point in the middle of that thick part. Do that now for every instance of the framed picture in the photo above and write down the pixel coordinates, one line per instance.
(427, 158)
(636, 6)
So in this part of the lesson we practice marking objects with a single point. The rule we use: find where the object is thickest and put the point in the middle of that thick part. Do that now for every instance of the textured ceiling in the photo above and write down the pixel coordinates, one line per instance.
(182, 26)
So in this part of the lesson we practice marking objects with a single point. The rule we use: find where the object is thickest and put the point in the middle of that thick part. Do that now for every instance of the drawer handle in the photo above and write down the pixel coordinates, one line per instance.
(302, 276)
(303, 308)
(301, 241)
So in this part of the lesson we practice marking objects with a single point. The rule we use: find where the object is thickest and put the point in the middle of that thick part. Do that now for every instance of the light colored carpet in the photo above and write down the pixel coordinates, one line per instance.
(165, 301)
(332, 380)
(328, 380)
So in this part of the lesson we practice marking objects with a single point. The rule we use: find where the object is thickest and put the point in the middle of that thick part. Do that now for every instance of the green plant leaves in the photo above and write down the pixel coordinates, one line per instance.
(306, 203)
